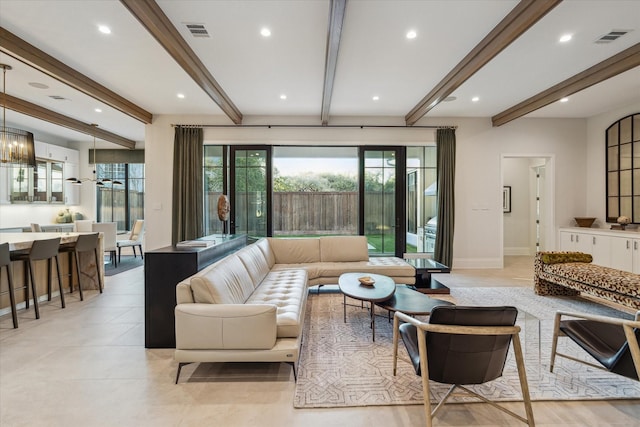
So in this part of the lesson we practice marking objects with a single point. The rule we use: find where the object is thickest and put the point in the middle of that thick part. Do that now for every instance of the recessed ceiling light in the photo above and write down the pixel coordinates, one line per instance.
(475, 99)
(180, 95)
(104, 29)
(265, 32)
(375, 98)
(565, 99)
(97, 110)
(38, 85)
(411, 34)
(565, 38)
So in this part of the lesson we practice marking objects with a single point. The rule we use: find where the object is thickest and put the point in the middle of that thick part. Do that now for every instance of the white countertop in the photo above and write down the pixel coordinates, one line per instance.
(18, 241)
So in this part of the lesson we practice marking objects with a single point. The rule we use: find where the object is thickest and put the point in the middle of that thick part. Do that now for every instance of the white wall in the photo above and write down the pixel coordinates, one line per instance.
(480, 147)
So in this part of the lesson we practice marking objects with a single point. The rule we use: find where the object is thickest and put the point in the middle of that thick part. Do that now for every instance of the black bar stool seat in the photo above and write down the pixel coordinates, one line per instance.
(41, 250)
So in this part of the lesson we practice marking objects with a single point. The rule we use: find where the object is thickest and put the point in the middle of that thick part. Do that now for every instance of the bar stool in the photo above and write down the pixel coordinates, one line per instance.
(41, 250)
(5, 261)
(84, 243)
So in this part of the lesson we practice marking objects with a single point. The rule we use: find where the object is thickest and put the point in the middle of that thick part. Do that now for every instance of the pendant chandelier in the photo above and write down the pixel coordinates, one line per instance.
(16, 146)
(99, 182)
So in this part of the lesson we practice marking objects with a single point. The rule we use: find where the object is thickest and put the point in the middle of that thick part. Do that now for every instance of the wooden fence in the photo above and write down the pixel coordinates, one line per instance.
(309, 213)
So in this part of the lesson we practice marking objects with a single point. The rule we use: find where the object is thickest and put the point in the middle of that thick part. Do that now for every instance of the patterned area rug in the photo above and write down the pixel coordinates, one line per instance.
(340, 366)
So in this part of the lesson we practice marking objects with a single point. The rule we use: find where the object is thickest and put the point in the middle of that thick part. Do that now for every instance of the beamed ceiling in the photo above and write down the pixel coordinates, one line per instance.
(329, 57)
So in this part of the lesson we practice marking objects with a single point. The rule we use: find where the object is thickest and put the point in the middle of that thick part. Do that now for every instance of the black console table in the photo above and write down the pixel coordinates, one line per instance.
(426, 283)
(164, 268)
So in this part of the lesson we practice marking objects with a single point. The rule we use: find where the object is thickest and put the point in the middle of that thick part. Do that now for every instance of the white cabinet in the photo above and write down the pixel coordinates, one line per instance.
(598, 246)
(619, 249)
(621, 253)
(62, 158)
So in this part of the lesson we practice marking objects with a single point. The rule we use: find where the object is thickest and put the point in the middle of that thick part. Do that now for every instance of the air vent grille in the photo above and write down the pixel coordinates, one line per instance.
(197, 30)
(611, 36)
(57, 97)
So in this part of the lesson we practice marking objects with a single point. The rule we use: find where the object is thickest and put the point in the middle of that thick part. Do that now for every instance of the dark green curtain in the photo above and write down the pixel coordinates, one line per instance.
(187, 220)
(446, 162)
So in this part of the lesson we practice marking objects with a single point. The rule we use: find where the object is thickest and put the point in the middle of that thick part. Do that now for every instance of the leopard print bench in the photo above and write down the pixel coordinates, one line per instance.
(572, 273)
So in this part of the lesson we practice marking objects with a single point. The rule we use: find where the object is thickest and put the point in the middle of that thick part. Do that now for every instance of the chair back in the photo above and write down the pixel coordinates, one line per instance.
(137, 231)
(468, 359)
(110, 231)
(36, 228)
(83, 225)
(44, 249)
(5, 255)
(87, 242)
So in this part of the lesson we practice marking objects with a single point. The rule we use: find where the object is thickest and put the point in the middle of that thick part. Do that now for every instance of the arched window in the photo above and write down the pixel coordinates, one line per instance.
(623, 169)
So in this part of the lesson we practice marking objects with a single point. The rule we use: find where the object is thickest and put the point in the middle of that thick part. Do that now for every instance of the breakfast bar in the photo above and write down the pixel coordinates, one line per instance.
(21, 241)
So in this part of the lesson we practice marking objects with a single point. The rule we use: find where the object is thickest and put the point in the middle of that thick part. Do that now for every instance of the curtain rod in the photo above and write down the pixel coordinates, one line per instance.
(317, 126)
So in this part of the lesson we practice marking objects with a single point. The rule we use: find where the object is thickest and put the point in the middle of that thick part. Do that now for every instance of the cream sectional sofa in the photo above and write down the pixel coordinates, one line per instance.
(250, 306)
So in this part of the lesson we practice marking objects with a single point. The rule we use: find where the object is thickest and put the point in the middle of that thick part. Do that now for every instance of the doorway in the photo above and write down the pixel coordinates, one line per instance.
(527, 226)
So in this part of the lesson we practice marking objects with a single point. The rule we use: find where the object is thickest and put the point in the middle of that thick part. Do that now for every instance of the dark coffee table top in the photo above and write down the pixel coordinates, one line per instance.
(411, 302)
(383, 288)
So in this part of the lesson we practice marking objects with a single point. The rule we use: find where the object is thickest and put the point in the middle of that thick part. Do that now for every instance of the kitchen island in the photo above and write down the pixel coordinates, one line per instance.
(21, 241)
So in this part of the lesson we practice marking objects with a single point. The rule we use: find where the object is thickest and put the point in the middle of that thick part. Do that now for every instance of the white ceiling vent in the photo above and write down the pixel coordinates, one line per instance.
(57, 97)
(197, 30)
(611, 36)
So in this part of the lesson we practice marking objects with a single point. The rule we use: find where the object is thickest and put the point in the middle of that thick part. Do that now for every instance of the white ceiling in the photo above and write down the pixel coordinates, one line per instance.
(375, 58)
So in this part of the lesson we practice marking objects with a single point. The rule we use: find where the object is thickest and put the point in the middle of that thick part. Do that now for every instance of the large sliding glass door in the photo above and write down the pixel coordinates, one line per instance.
(251, 198)
(382, 184)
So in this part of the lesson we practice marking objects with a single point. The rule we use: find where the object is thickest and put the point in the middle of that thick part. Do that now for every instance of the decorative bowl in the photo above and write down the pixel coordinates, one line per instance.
(584, 222)
(366, 280)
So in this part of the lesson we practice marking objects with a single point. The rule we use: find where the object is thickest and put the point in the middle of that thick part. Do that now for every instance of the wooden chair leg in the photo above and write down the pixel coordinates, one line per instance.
(554, 344)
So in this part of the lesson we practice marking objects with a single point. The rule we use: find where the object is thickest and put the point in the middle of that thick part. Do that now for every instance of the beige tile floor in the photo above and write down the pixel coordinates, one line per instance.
(86, 365)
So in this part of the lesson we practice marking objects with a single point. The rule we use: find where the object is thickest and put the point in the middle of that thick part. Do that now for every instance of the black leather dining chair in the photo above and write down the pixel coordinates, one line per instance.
(462, 346)
(612, 342)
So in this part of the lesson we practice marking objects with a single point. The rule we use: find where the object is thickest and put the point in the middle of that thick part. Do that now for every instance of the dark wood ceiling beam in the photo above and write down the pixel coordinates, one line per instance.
(41, 113)
(19, 49)
(334, 33)
(617, 64)
(151, 16)
(519, 20)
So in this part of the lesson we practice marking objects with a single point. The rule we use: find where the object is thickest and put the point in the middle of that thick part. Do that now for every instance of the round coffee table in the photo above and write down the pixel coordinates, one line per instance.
(411, 302)
(382, 289)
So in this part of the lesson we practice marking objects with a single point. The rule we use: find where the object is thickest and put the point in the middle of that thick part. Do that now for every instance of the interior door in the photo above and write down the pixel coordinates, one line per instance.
(250, 184)
(382, 193)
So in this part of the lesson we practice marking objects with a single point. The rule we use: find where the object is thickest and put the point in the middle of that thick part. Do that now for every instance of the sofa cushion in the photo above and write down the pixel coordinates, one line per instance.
(287, 290)
(343, 249)
(225, 282)
(387, 266)
(295, 251)
(265, 248)
(255, 263)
